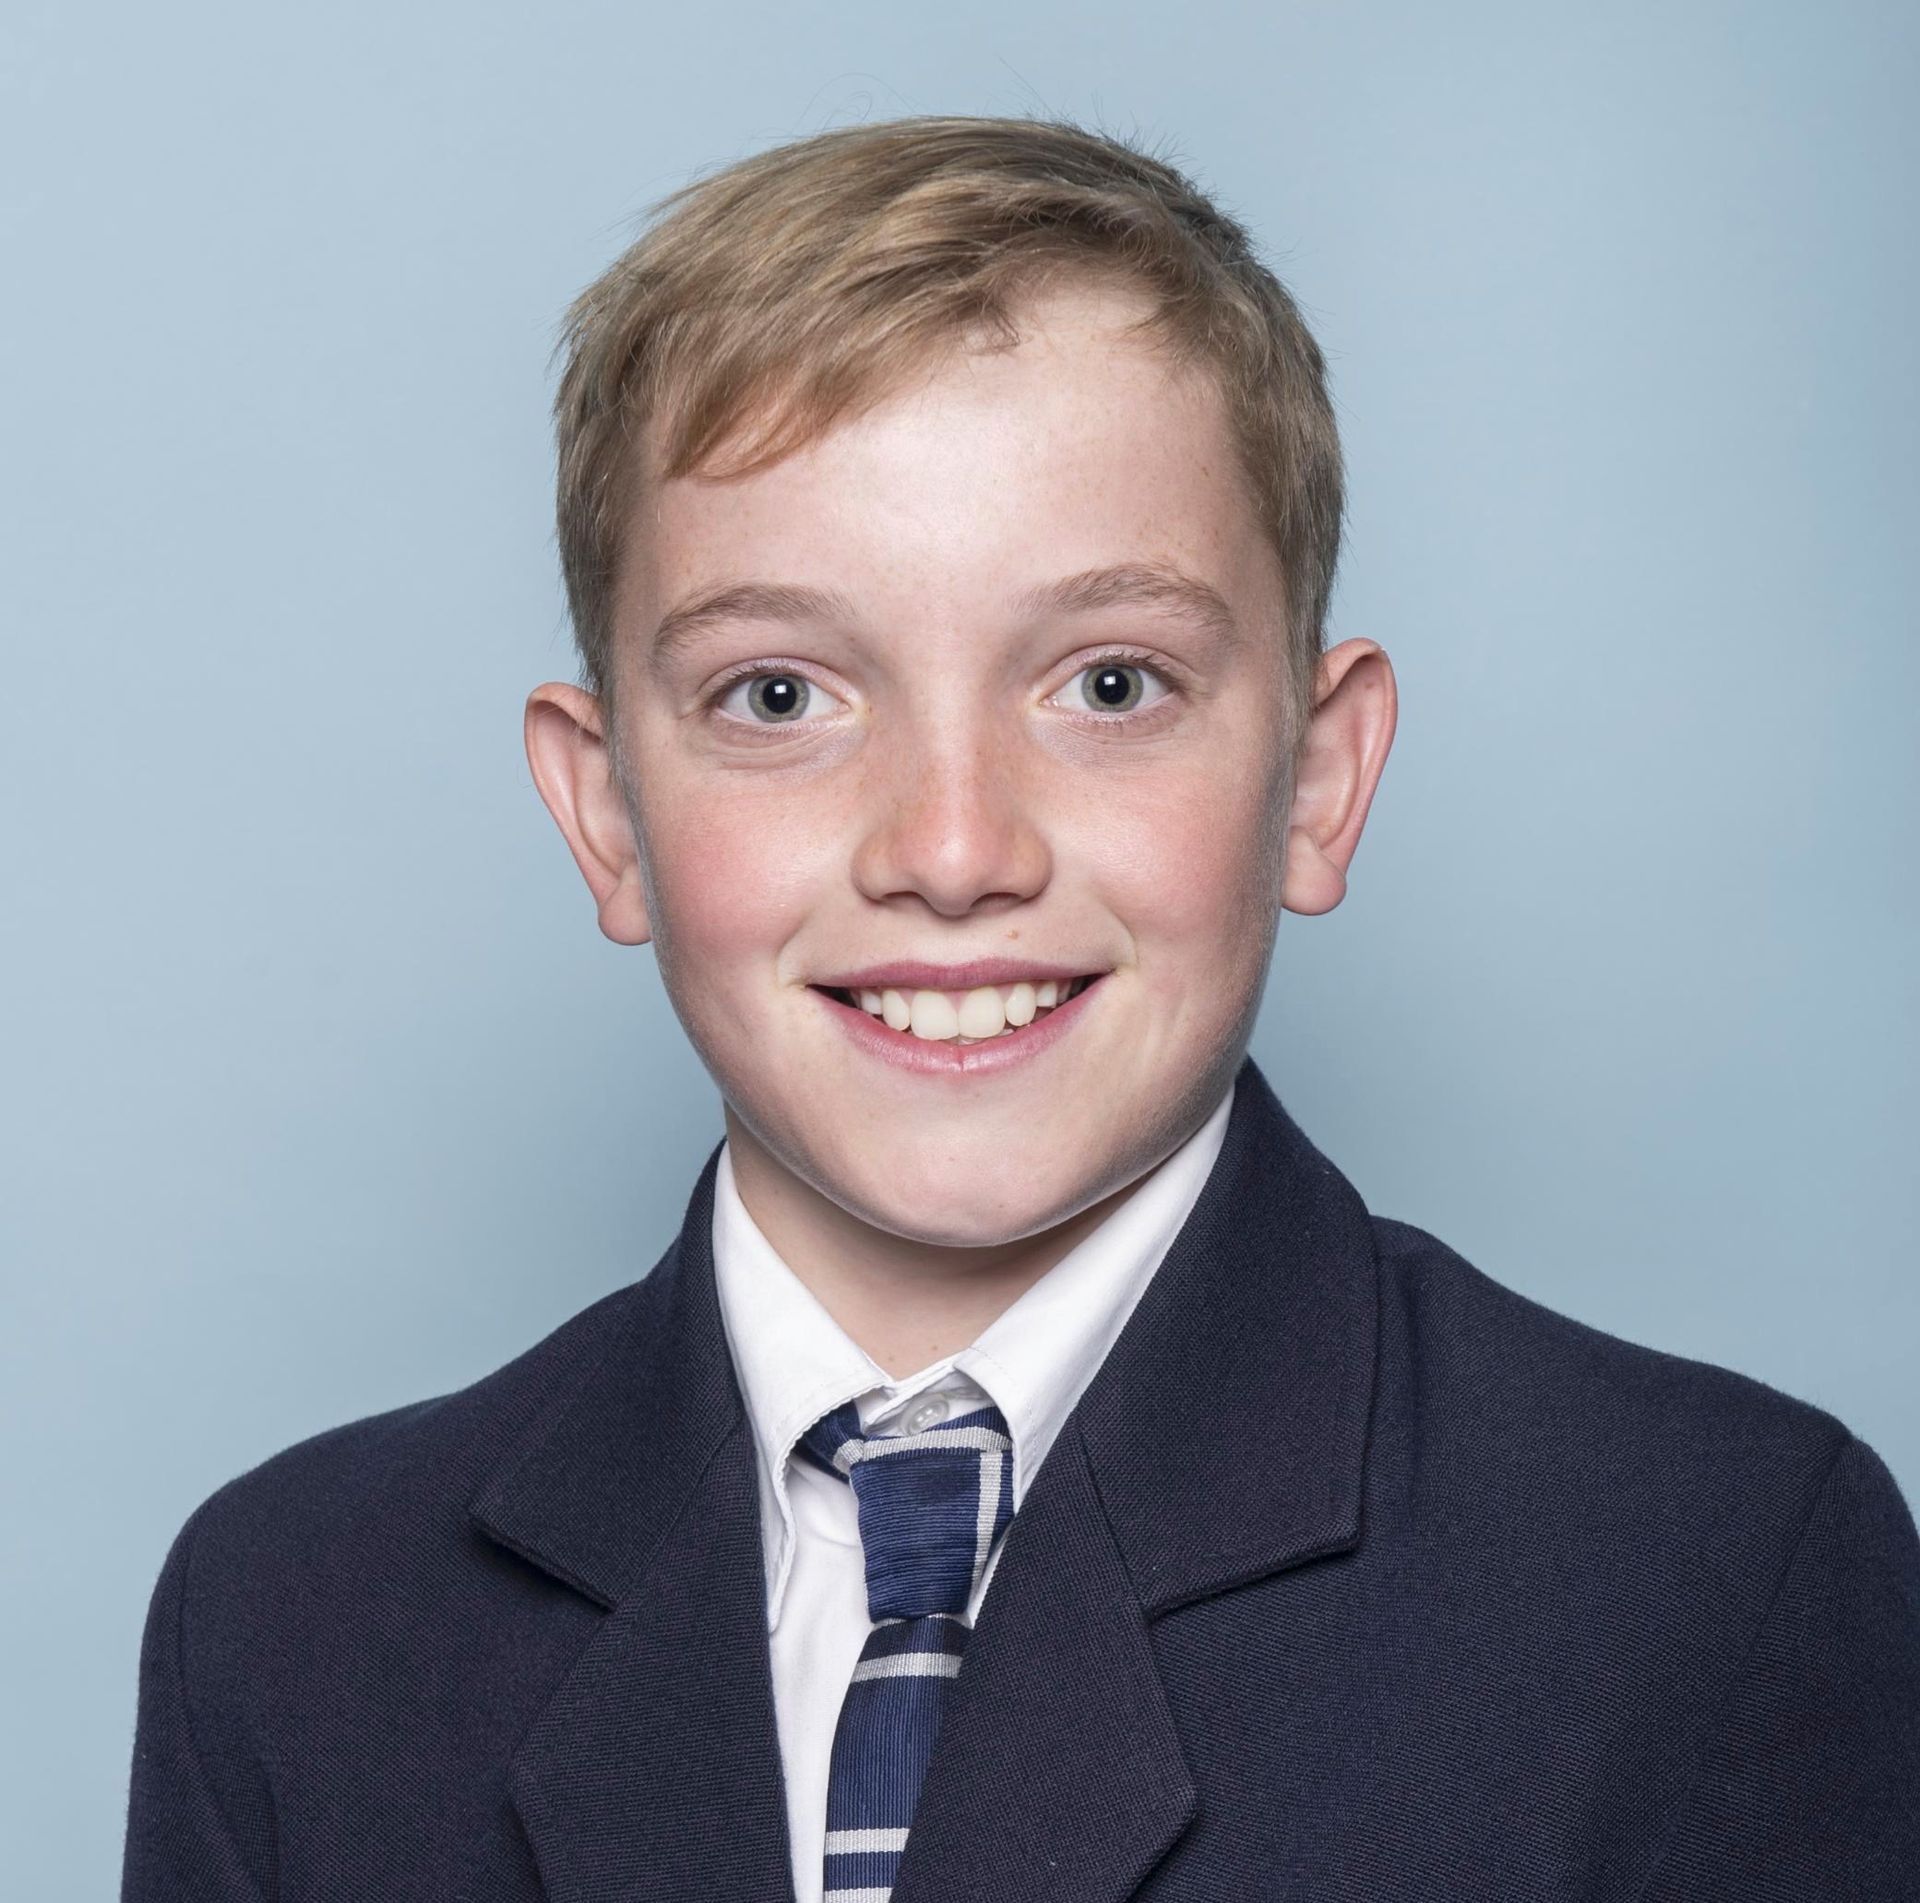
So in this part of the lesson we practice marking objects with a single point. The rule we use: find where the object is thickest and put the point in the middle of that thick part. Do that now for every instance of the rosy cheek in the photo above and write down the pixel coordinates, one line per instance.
(1182, 859)
(734, 876)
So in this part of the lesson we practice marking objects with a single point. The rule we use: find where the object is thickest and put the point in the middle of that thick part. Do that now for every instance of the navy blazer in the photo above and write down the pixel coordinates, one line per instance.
(1353, 1575)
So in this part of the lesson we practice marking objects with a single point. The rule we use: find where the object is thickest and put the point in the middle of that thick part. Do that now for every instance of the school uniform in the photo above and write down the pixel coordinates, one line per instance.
(794, 1363)
(1335, 1571)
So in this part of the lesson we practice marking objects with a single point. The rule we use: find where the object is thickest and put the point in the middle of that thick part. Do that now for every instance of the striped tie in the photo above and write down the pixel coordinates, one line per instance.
(931, 1506)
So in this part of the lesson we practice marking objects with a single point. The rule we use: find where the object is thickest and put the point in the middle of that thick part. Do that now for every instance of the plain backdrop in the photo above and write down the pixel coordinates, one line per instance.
(322, 1091)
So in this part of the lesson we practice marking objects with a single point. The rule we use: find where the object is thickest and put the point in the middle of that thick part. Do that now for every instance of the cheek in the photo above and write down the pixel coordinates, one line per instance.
(1193, 865)
(732, 877)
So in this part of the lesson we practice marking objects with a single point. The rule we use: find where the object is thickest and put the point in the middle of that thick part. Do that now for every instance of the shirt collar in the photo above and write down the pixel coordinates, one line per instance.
(795, 1362)
(1037, 1356)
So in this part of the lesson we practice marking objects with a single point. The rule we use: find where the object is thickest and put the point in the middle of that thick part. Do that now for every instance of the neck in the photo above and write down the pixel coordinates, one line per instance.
(904, 1302)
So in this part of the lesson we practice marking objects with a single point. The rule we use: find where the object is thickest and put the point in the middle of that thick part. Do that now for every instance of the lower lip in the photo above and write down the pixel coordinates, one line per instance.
(933, 1057)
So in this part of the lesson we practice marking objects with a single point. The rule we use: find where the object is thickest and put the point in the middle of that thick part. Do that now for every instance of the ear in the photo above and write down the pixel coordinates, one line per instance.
(573, 768)
(1351, 728)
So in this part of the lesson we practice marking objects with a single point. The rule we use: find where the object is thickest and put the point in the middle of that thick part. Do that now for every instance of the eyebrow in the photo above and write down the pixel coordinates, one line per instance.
(1123, 585)
(748, 601)
(1134, 585)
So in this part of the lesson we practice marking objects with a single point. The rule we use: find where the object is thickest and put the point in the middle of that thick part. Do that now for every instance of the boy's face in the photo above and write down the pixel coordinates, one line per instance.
(1002, 686)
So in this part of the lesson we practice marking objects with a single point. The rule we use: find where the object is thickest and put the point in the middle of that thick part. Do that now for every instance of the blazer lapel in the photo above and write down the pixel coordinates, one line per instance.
(1222, 1440)
(654, 1769)
(1057, 1774)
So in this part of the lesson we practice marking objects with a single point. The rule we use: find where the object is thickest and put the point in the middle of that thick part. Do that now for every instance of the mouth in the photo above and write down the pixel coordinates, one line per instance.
(980, 1014)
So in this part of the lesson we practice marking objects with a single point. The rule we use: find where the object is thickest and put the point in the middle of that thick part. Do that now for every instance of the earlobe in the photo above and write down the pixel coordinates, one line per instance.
(1314, 883)
(1356, 707)
(573, 769)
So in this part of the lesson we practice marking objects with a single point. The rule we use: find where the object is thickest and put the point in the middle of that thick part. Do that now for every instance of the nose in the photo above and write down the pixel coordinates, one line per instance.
(951, 823)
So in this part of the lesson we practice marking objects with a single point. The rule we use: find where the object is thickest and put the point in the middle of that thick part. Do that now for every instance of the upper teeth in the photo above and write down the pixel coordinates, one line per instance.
(985, 1011)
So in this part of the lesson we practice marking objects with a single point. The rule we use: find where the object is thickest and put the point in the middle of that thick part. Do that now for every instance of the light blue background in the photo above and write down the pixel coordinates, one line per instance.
(323, 1092)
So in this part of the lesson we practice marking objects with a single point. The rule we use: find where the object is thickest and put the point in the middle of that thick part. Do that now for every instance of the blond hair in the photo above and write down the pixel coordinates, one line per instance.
(775, 298)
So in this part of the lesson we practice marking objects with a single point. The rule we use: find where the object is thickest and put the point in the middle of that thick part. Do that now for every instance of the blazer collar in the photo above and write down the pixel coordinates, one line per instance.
(1222, 1439)
(653, 1769)
(593, 1486)
(1227, 1429)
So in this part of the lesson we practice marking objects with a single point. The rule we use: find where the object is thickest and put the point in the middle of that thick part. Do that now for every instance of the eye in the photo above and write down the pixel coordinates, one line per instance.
(776, 698)
(1114, 685)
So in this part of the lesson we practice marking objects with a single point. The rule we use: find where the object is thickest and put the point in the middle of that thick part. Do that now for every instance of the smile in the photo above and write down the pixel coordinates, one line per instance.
(974, 1016)
(971, 1031)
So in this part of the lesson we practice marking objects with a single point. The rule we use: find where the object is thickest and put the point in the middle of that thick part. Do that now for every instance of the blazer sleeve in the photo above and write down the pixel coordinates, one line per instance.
(198, 1821)
(1810, 1788)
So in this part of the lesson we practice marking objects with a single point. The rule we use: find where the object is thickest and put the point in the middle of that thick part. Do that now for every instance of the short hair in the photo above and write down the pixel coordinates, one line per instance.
(794, 288)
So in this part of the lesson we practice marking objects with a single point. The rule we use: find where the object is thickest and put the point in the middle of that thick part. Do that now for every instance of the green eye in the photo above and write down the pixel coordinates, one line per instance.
(777, 696)
(1112, 686)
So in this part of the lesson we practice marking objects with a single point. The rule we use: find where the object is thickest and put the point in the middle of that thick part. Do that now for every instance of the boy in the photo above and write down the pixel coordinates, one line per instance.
(1031, 1473)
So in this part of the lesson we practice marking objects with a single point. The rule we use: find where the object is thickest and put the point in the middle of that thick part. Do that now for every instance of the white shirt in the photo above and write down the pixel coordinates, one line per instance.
(795, 1362)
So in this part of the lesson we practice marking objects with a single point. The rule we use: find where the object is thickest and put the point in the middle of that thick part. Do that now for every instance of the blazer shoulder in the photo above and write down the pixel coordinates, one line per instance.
(397, 1481)
(1525, 1386)
(1720, 1564)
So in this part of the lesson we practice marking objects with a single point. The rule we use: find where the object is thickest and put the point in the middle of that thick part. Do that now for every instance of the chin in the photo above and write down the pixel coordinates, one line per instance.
(932, 1192)
(965, 1222)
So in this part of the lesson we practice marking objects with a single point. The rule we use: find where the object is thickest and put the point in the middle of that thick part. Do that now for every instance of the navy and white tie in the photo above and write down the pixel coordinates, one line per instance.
(931, 1505)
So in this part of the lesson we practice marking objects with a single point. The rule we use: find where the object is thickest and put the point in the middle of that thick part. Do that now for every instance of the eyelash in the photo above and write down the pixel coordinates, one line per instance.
(1130, 657)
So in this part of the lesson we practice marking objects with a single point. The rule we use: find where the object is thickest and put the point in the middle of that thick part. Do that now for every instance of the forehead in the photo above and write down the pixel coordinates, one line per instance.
(984, 475)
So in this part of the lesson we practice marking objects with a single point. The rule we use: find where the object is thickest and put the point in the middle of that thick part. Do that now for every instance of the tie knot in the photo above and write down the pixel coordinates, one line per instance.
(931, 1504)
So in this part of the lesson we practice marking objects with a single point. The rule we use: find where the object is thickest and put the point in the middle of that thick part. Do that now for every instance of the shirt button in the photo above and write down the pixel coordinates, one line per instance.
(929, 1413)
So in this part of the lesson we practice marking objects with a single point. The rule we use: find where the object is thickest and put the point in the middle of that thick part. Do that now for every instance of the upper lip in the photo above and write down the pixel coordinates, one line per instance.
(911, 975)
